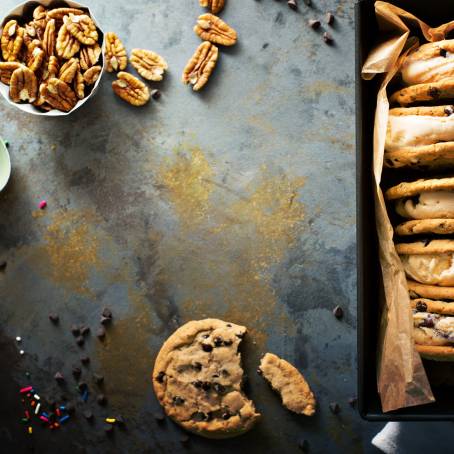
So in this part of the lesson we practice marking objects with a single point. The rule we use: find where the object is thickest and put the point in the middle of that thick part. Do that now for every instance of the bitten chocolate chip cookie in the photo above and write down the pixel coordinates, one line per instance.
(289, 383)
(198, 379)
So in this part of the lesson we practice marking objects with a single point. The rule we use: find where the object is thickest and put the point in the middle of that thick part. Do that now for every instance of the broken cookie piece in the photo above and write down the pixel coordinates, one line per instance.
(197, 379)
(286, 380)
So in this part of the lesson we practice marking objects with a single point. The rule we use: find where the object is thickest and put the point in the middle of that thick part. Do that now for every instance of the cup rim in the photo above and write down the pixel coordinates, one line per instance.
(5, 152)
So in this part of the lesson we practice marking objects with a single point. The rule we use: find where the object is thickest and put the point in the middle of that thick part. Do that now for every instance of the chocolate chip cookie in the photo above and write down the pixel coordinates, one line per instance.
(198, 379)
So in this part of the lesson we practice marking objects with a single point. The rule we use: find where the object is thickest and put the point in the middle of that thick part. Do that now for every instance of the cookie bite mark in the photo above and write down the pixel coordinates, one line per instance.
(197, 379)
(287, 381)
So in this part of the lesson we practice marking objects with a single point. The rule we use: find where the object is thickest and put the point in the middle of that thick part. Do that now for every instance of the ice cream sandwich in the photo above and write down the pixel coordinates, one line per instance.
(420, 137)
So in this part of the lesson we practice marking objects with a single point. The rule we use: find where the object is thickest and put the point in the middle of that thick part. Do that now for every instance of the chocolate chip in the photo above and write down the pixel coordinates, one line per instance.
(99, 379)
(329, 17)
(160, 377)
(225, 372)
(220, 389)
(76, 371)
(207, 348)
(352, 401)
(3, 265)
(199, 416)
(421, 307)
(205, 336)
(108, 429)
(433, 92)
(206, 386)
(265, 45)
(184, 439)
(218, 342)
(428, 323)
(159, 416)
(314, 23)
(101, 333)
(226, 415)
(259, 371)
(88, 415)
(80, 341)
(177, 400)
(54, 318)
(443, 53)
(215, 375)
(197, 366)
(105, 320)
(338, 312)
(85, 360)
(59, 377)
(239, 335)
(292, 4)
(327, 38)
(228, 343)
(101, 399)
(84, 330)
(198, 384)
(229, 325)
(155, 94)
(427, 241)
(303, 444)
(75, 330)
(334, 407)
(106, 312)
(449, 110)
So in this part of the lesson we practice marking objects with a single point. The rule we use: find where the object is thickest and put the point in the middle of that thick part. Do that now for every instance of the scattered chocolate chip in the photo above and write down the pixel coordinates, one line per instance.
(84, 330)
(85, 360)
(352, 401)
(421, 307)
(101, 333)
(334, 407)
(106, 312)
(292, 4)
(443, 53)
(80, 341)
(54, 318)
(108, 429)
(99, 379)
(327, 38)
(3, 265)
(206, 386)
(338, 312)
(159, 416)
(184, 439)
(101, 399)
(427, 241)
(433, 92)
(303, 444)
(88, 415)
(155, 94)
(265, 45)
(329, 17)
(178, 400)
(207, 348)
(160, 377)
(59, 377)
(76, 371)
(105, 320)
(218, 342)
(449, 110)
(220, 389)
(314, 23)
(75, 330)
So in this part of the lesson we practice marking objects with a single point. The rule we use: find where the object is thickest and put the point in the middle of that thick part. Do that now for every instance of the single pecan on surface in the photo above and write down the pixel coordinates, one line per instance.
(201, 65)
(211, 28)
(215, 6)
(115, 54)
(148, 64)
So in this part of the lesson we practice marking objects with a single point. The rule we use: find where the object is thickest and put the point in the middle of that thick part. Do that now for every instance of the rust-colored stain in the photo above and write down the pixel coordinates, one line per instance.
(325, 86)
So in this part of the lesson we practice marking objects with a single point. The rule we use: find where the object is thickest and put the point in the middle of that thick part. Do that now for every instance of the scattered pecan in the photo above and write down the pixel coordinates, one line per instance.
(23, 85)
(89, 56)
(116, 57)
(82, 28)
(67, 46)
(68, 70)
(148, 64)
(79, 85)
(92, 75)
(36, 56)
(60, 13)
(49, 38)
(201, 65)
(131, 89)
(12, 40)
(215, 6)
(211, 28)
(59, 95)
(7, 69)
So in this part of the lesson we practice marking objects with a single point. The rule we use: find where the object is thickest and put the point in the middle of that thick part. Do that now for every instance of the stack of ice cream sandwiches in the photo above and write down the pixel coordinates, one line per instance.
(420, 137)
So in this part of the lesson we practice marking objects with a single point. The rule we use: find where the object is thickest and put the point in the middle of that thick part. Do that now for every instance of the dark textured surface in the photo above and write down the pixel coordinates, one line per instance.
(237, 203)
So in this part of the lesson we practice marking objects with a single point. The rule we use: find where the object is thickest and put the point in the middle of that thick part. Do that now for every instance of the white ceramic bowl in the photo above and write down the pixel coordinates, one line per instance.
(25, 9)
(5, 165)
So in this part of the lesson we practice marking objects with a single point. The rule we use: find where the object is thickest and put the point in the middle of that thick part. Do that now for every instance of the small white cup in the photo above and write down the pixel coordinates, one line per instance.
(5, 165)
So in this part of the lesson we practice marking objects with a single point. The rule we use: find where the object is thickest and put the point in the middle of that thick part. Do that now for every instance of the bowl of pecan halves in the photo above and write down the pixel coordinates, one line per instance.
(51, 59)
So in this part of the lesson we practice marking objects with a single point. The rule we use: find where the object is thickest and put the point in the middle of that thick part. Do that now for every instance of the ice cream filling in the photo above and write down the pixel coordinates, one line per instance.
(428, 205)
(431, 70)
(435, 328)
(433, 269)
(417, 130)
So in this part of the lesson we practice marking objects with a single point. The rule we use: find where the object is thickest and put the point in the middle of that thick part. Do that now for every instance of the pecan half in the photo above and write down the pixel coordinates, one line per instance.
(211, 28)
(148, 64)
(201, 65)
(215, 5)
(68, 70)
(23, 85)
(60, 13)
(79, 85)
(53, 68)
(49, 38)
(39, 12)
(131, 89)
(6, 70)
(82, 28)
(92, 75)
(116, 56)
(89, 56)
(12, 40)
(67, 46)
(36, 56)
(59, 95)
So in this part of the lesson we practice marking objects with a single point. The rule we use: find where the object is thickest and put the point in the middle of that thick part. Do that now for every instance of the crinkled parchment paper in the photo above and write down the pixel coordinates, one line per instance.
(401, 379)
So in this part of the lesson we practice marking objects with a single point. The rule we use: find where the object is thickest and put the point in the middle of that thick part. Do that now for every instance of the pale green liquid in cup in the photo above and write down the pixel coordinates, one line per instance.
(5, 165)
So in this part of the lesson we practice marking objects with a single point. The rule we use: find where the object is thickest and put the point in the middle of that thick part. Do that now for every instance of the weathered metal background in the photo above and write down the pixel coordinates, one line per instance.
(237, 202)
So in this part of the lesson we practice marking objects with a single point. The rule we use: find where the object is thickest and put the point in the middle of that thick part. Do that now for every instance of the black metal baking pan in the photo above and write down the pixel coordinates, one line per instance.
(369, 277)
